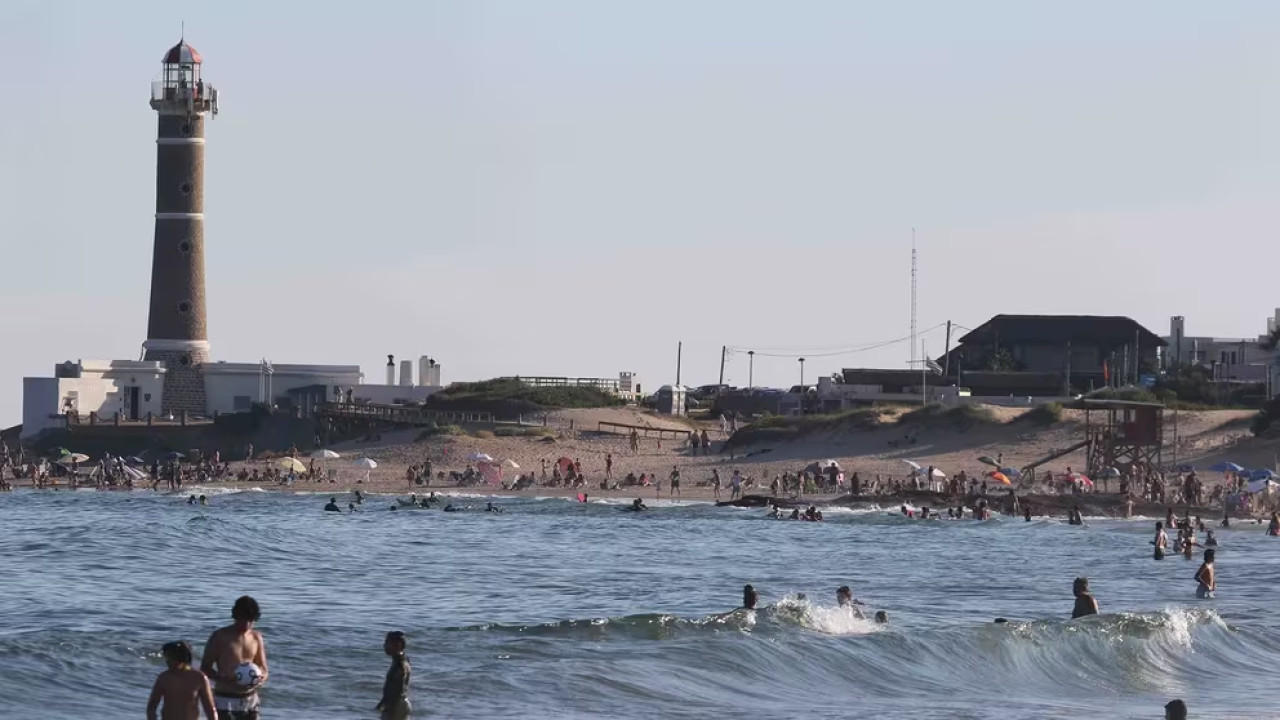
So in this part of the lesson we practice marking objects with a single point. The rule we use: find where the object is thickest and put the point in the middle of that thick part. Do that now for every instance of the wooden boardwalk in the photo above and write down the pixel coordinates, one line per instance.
(400, 414)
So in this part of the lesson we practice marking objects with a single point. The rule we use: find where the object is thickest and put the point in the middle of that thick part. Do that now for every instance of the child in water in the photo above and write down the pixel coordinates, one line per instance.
(182, 688)
(395, 691)
(1206, 577)
(1086, 603)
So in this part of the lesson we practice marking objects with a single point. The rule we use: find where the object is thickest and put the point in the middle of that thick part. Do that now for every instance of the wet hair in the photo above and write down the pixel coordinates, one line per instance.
(1080, 586)
(177, 651)
(1159, 525)
(748, 597)
(1175, 710)
(882, 616)
(397, 636)
(844, 590)
(246, 609)
(1208, 555)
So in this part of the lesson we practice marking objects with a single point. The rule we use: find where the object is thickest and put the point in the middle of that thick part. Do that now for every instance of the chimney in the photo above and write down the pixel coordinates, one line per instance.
(406, 373)
(391, 369)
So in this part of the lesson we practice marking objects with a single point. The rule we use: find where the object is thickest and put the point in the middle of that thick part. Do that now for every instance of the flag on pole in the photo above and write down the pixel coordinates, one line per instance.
(934, 367)
(266, 367)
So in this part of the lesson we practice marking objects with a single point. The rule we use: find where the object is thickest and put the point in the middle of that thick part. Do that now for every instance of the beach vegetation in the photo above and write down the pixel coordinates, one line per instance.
(1267, 417)
(787, 428)
(961, 417)
(1041, 415)
(509, 398)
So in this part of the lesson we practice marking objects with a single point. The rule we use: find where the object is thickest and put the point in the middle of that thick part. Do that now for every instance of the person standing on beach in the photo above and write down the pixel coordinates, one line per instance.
(706, 442)
(675, 480)
(182, 688)
(608, 466)
(395, 690)
(229, 647)
(715, 482)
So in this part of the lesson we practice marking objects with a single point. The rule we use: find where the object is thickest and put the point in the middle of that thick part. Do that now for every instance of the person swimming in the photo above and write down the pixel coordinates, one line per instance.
(1206, 577)
(332, 506)
(490, 507)
(882, 617)
(204, 500)
(1086, 603)
(351, 507)
(1209, 539)
(749, 597)
(795, 514)
(191, 500)
(637, 505)
(776, 512)
(1026, 513)
(844, 598)
(359, 497)
(451, 508)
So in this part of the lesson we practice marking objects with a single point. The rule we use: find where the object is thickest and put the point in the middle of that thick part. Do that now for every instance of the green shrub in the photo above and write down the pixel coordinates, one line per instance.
(508, 397)
(522, 431)
(962, 417)
(1266, 417)
(1046, 414)
(434, 430)
(782, 428)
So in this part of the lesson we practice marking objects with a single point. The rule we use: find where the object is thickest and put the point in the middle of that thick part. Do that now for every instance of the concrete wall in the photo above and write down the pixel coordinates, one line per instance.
(225, 382)
(39, 405)
(393, 394)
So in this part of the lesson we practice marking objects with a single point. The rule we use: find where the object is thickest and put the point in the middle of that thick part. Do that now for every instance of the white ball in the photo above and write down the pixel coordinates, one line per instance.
(248, 674)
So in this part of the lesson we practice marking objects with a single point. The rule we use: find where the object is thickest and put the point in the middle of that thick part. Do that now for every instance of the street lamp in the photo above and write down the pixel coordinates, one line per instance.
(751, 369)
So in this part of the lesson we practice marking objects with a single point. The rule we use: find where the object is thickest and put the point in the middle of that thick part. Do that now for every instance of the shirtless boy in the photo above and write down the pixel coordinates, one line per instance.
(227, 648)
(182, 688)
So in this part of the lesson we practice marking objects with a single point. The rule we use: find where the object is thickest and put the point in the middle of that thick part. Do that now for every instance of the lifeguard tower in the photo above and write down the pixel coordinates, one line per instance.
(1124, 435)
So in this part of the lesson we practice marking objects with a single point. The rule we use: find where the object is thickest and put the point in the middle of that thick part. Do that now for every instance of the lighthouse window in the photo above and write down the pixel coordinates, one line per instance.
(184, 360)
(186, 129)
(185, 188)
(184, 247)
(184, 307)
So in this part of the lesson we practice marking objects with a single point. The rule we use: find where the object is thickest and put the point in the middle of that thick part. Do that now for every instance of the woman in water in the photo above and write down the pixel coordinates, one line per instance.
(1161, 541)
(1273, 529)
(1206, 577)
(1086, 603)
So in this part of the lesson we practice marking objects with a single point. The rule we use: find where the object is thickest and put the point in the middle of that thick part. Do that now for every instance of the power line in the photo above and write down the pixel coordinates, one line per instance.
(832, 352)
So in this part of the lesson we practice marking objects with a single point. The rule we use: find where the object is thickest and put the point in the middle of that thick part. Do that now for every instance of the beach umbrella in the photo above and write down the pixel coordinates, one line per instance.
(365, 463)
(1263, 485)
(1263, 474)
(1225, 467)
(1081, 479)
(1011, 472)
(999, 477)
(291, 464)
(914, 465)
(564, 463)
(174, 456)
(1111, 473)
(73, 457)
(133, 473)
(135, 460)
(480, 457)
(325, 455)
(511, 464)
(988, 460)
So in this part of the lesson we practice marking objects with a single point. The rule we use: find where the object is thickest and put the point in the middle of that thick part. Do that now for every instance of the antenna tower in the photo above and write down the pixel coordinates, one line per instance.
(913, 295)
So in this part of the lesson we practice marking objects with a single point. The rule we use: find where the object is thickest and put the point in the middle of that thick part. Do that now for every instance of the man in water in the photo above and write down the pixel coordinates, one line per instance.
(1175, 710)
(395, 691)
(882, 617)
(490, 507)
(182, 688)
(227, 648)
(1161, 541)
(1206, 577)
(1086, 603)
(844, 598)
(332, 506)
(749, 598)
(637, 505)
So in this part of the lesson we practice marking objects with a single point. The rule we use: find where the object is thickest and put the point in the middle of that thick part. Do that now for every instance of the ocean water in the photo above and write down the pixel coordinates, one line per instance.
(555, 609)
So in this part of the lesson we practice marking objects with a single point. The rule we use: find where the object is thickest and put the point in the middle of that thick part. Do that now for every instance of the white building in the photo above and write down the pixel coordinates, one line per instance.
(235, 387)
(101, 387)
(1231, 358)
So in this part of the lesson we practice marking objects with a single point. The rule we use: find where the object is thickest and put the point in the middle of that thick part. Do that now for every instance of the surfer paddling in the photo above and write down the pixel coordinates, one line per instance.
(228, 649)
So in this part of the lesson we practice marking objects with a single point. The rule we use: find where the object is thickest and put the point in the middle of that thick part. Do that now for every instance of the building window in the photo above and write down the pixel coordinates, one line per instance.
(186, 129)
(185, 360)
(184, 247)
(184, 307)
(185, 188)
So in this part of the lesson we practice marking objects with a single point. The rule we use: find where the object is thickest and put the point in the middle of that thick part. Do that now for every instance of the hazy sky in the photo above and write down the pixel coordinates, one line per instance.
(570, 187)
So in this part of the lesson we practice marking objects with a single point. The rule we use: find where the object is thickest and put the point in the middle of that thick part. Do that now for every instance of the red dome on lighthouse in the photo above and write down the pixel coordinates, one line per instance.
(182, 54)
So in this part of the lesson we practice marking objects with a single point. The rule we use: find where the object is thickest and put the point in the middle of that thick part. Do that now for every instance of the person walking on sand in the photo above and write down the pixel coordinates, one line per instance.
(182, 688)
(227, 649)
(706, 442)
(395, 690)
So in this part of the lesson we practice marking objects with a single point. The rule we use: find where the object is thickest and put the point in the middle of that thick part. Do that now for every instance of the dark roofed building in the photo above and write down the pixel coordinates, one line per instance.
(1030, 349)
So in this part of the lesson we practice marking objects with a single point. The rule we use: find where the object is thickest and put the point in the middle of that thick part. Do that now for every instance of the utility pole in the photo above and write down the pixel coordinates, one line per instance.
(803, 394)
(924, 379)
(723, 350)
(1137, 358)
(946, 358)
(679, 351)
(751, 369)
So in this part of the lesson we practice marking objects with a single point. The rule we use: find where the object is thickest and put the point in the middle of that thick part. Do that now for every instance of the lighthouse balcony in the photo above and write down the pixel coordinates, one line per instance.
(195, 98)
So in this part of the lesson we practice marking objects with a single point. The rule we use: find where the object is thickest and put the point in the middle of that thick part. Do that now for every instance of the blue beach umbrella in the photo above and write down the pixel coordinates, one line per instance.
(1263, 474)
(1013, 473)
(1227, 467)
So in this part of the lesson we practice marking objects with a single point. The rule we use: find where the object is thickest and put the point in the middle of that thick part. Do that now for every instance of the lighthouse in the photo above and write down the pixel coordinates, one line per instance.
(176, 332)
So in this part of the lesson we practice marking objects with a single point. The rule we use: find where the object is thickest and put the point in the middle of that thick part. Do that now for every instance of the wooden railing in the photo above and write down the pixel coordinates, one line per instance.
(625, 429)
(401, 414)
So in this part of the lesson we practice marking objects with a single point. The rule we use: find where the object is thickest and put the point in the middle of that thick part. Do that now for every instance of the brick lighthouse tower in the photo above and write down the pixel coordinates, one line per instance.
(176, 333)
